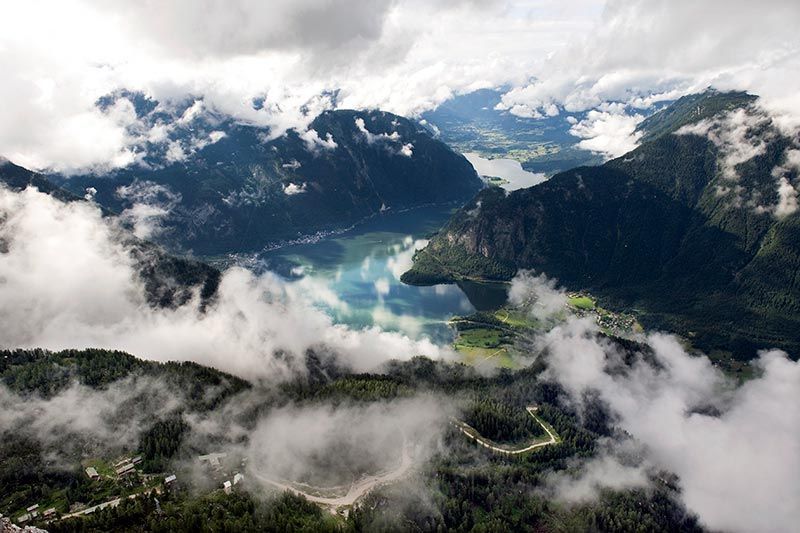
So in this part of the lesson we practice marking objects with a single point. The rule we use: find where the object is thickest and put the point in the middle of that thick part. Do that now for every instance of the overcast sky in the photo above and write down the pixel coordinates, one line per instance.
(405, 56)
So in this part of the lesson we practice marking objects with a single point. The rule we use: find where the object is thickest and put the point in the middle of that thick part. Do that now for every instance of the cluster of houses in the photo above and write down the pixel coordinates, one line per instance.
(32, 513)
(127, 466)
(227, 485)
(214, 461)
(122, 469)
(616, 322)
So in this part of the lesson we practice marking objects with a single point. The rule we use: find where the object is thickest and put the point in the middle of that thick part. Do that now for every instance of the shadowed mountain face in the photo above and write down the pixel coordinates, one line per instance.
(662, 230)
(17, 178)
(168, 281)
(240, 191)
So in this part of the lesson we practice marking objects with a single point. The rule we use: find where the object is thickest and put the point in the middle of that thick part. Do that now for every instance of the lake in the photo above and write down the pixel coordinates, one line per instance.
(509, 170)
(355, 276)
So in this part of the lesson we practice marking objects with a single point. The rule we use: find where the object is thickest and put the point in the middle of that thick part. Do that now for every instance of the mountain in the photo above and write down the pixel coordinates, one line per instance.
(682, 229)
(17, 178)
(226, 187)
(169, 281)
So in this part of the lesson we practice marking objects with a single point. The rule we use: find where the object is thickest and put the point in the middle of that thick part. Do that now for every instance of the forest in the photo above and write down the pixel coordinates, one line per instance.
(461, 487)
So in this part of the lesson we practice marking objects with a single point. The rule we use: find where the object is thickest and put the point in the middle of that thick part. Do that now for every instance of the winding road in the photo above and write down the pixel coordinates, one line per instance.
(473, 434)
(360, 488)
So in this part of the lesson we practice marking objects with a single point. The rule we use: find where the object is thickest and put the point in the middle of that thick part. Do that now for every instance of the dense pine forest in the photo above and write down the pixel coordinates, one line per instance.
(462, 487)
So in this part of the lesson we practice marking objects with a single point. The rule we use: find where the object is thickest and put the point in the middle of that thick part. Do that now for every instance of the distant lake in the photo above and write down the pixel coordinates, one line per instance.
(355, 277)
(507, 169)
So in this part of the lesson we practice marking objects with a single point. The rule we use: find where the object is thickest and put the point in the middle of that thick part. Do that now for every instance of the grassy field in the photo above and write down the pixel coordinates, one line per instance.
(488, 337)
(104, 468)
(500, 357)
(582, 302)
(484, 345)
(516, 318)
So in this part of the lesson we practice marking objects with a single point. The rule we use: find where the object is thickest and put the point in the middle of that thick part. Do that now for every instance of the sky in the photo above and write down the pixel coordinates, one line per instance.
(303, 56)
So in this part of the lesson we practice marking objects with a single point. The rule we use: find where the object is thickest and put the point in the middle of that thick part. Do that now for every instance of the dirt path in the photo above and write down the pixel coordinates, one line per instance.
(473, 434)
(357, 490)
(110, 503)
(489, 357)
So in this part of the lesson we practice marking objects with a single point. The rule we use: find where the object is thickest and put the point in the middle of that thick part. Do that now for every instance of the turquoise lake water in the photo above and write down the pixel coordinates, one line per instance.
(355, 276)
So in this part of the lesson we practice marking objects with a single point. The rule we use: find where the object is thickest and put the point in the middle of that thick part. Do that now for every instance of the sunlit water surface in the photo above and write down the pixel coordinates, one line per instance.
(509, 170)
(355, 277)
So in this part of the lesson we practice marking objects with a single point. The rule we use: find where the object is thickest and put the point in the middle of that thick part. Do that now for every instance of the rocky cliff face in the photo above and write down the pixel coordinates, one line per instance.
(7, 526)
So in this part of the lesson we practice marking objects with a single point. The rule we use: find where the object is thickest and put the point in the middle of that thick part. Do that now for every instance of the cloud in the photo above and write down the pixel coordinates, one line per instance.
(735, 450)
(739, 135)
(382, 286)
(402, 257)
(406, 56)
(334, 446)
(110, 418)
(787, 199)
(68, 281)
(539, 294)
(249, 26)
(610, 133)
(315, 143)
(296, 59)
(149, 203)
(290, 189)
(787, 194)
(643, 52)
(616, 467)
(406, 149)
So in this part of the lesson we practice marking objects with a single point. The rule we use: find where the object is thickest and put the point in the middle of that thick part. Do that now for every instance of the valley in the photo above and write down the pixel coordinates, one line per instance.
(443, 365)
(651, 232)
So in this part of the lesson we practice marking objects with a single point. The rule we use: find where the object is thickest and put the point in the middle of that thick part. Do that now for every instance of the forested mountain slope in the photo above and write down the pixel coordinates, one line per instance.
(169, 281)
(237, 190)
(695, 236)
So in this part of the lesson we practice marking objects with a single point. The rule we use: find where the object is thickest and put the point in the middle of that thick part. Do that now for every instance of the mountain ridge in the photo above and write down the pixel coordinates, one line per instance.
(245, 192)
(657, 230)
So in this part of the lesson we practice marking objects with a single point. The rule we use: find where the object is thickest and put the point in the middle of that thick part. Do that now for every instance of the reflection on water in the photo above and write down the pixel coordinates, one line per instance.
(485, 296)
(355, 277)
(507, 169)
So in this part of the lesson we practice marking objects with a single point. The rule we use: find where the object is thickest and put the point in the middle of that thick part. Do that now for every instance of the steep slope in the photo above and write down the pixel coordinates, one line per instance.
(243, 192)
(169, 281)
(664, 229)
(17, 178)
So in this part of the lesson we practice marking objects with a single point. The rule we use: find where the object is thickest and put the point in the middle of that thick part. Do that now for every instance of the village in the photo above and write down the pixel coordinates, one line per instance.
(582, 304)
(110, 483)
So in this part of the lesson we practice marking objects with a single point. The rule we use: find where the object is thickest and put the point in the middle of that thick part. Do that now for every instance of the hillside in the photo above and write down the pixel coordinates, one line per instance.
(17, 178)
(243, 192)
(169, 281)
(169, 414)
(662, 230)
